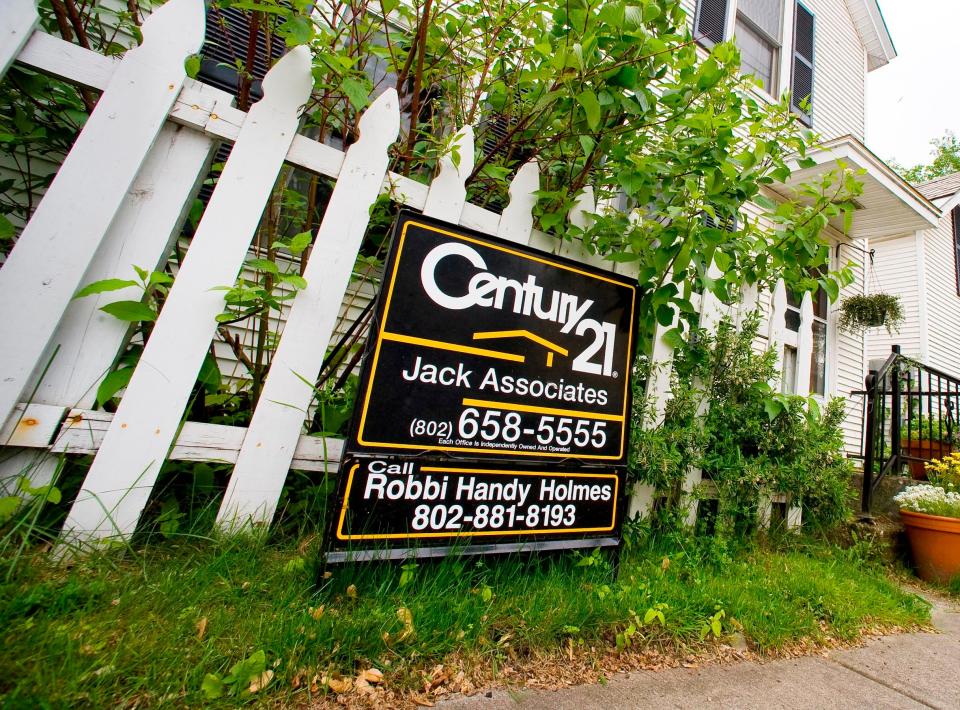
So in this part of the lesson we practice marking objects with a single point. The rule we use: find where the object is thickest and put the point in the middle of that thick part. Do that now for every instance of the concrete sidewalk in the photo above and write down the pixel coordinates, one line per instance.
(903, 671)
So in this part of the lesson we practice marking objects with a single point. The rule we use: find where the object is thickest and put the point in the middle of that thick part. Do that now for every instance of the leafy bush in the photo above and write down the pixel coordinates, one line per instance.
(752, 441)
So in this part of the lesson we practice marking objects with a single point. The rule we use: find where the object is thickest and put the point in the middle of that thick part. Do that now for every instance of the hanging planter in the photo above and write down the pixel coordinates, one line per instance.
(858, 313)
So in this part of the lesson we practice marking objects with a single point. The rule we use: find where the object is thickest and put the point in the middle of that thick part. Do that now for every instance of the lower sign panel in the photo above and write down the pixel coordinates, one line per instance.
(413, 504)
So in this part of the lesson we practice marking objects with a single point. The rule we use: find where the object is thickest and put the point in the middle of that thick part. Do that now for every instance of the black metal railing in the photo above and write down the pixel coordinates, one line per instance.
(909, 418)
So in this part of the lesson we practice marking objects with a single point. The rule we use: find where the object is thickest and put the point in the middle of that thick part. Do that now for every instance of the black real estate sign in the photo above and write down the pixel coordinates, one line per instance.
(494, 401)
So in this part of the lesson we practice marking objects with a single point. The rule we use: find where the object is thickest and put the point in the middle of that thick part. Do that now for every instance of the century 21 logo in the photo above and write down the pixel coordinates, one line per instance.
(486, 290)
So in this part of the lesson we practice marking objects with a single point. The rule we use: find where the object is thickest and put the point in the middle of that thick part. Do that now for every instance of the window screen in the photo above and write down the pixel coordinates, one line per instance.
(710, 22)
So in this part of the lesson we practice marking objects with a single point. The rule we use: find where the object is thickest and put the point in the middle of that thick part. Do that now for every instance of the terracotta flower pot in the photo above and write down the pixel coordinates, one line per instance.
(935, 543)
(923, 449)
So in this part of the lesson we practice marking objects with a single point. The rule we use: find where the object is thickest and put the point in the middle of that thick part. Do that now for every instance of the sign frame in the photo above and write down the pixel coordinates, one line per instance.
(361, 449)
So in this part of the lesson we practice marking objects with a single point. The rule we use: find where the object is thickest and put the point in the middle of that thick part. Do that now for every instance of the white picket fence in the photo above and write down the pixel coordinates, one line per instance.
(119, 199)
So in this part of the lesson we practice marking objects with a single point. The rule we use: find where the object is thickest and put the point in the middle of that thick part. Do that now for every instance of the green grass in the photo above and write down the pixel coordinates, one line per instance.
(114, 630)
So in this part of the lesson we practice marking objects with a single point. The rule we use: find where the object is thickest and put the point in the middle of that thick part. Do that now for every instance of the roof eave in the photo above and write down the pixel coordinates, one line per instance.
(873, 32)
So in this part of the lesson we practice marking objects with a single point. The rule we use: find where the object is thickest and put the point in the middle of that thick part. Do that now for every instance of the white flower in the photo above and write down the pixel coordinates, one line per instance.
(933, 500)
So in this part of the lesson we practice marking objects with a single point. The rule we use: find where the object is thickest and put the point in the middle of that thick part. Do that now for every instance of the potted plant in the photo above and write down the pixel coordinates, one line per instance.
(924, 439)
(931, 517)
(858, 313)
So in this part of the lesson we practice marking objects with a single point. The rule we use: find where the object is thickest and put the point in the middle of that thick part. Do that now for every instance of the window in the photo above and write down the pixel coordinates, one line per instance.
(818, 357)
(757, 34)
(758, 28)
(801, 82)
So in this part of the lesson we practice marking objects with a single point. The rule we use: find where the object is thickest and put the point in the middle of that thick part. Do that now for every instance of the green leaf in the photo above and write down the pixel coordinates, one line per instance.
(674, 338)
(357, 92)
(209, 375)
(622, 256)
(104, 286)
(192, 65)
(831, 287)
(298, 30)
(299, 242)
(113, 383)
(665, 315)
(587, 143)
(295, 280)
(8, 506)
(773, 408)
(6, 228)
(130, 311)
(212, 686)
(263, 265)
(48, 493)
(591, 107)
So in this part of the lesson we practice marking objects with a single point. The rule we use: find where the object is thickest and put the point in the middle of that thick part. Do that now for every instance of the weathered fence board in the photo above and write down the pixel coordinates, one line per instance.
(264, 460)
(142, 432)
(16, 24)
(57, 245)
(84, 430)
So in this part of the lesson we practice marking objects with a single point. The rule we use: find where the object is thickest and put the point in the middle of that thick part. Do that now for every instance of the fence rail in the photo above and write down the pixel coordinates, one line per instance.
(119, 199)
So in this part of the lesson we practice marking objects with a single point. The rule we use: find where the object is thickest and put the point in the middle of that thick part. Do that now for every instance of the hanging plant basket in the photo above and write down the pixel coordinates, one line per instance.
(858, 313)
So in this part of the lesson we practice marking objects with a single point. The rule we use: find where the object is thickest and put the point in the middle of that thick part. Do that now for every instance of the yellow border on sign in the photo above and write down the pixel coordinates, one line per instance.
(483, 533)
(382, 332)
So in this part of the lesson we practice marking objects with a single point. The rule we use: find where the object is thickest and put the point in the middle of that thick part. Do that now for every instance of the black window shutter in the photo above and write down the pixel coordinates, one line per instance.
(225, 43)
(801, 86)
(710, 22)
(956, 245)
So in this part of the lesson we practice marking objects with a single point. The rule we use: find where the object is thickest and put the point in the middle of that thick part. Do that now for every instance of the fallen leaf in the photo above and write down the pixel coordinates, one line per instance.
(337, 683)
(352, 591)
(363, 687)
(371, 675)
(421, 701)
(201, 628)
(261, 681)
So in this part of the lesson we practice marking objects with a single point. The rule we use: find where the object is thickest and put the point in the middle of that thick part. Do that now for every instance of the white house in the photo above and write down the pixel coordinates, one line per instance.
(921, 267)
(825, 48)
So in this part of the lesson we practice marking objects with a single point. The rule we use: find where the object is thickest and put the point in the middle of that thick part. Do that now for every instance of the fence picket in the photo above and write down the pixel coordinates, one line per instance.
(516, 222)
(145, 425)
(448, 192)
(57, 245)
(17, 21)
(258, 477)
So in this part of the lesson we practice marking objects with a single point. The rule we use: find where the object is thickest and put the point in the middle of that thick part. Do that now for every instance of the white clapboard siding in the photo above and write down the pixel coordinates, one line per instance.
(267, 451)
(17, 21)
(122, 474)
(53, 252)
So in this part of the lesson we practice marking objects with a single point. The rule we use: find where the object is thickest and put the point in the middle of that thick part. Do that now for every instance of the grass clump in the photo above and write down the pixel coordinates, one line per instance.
(209, 622)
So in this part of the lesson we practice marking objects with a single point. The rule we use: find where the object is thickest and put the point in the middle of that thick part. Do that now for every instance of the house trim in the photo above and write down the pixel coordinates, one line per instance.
(921, 296)
(874, 35)
(913, 210)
